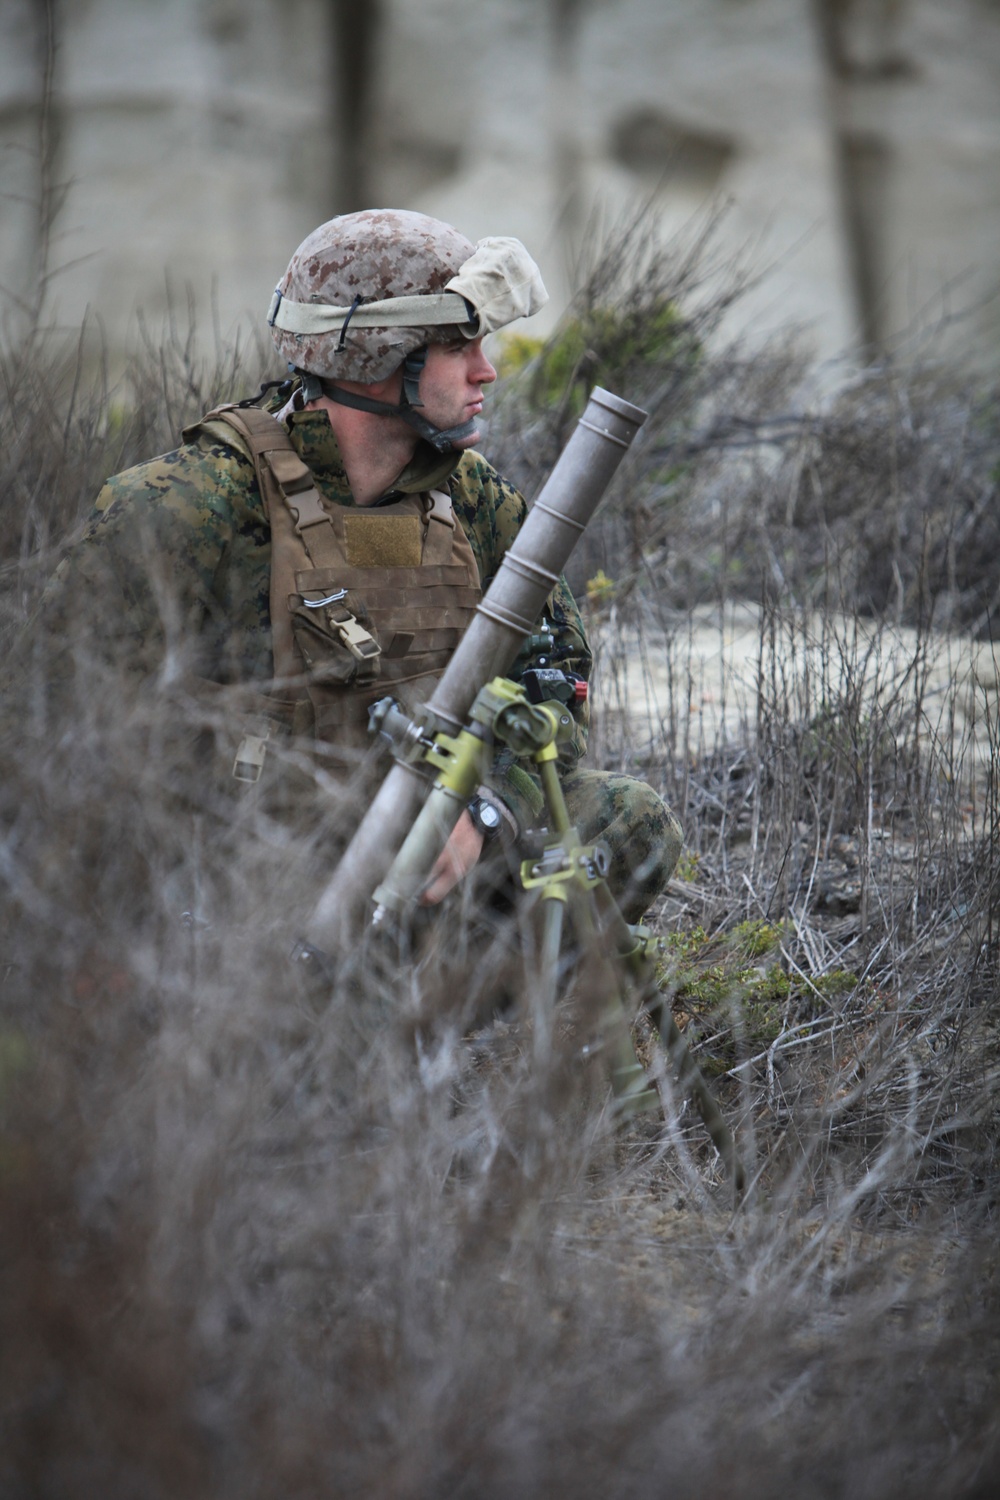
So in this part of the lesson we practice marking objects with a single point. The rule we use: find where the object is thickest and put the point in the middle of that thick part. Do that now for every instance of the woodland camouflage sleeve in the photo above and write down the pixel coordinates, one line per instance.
(152, 573)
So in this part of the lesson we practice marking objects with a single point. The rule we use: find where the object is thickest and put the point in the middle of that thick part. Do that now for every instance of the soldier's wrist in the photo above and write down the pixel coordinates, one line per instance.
(493, 817)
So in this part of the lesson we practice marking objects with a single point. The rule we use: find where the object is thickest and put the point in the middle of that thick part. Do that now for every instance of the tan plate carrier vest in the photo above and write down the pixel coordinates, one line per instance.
(364, 602)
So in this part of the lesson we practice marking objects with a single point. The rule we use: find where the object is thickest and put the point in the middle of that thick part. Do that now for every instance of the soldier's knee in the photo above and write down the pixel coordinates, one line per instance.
(652, 848)
(641, 832)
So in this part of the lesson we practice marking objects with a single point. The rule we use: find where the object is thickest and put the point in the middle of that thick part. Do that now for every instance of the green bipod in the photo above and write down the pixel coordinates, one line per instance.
(568, 880)
(567, 874)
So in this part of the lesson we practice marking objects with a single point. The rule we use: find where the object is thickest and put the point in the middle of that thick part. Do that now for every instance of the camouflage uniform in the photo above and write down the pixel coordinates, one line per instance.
(178, 555)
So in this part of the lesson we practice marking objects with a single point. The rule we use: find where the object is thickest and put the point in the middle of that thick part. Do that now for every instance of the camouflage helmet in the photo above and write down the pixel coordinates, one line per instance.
(364, 291)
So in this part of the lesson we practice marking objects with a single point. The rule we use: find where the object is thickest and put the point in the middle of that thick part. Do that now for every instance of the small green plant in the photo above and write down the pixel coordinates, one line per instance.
(603, 345)
(756, 938)
(688, 865)
(729, 999)
(600, 590)
(515, 351)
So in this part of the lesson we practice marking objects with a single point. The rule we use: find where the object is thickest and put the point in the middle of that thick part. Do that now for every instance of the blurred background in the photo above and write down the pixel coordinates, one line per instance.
(165, 149)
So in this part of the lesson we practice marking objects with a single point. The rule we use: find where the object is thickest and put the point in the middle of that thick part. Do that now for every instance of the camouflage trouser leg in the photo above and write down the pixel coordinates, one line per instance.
(642, 833)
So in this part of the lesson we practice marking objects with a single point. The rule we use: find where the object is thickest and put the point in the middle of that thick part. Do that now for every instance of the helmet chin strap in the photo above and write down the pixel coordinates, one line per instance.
(441, 438)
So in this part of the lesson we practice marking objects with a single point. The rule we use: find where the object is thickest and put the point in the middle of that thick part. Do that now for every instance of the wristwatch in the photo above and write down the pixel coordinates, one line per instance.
(486, 817)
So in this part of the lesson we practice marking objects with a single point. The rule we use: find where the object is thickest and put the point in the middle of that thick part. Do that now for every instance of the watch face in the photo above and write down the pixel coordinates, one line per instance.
(484, 815)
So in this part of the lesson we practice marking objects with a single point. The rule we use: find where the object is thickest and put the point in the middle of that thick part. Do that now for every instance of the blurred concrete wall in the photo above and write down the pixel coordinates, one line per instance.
(155, 144)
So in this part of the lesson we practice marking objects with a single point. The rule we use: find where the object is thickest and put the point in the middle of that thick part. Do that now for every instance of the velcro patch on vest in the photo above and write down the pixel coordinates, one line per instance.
(383, 541)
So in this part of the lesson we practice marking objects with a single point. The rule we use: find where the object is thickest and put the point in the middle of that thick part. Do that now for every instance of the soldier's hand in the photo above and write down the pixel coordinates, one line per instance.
(454, 862)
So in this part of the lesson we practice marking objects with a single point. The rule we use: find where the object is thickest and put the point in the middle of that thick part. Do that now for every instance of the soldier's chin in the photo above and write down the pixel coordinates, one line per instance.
(477, 434)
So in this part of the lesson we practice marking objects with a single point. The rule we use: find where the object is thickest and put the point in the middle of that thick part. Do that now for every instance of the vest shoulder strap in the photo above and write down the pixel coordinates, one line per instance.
(441, 508)
(281, 473)
(260, 432)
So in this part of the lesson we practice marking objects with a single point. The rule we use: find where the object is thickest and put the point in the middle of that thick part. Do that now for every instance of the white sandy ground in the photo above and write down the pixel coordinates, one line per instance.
(691, 687)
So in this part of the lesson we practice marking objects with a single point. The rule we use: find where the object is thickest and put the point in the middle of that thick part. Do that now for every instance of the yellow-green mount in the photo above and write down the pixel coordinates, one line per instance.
(502, 712)
(568, 876)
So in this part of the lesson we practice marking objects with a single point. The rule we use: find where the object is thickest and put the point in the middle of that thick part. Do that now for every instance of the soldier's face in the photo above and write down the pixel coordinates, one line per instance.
(451, 384)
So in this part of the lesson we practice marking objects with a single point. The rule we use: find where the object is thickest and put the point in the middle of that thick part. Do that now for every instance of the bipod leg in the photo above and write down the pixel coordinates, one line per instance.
(553, 905)
(628, 1078)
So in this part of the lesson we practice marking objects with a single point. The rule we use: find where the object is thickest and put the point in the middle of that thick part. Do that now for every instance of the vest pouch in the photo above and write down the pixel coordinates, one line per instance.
(336, 638)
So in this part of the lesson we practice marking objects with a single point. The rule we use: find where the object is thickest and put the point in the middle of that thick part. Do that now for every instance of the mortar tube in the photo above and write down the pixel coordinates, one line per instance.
(529, 572)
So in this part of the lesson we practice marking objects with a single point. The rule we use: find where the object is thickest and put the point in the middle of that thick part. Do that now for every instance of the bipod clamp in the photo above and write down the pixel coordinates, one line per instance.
(458, 763)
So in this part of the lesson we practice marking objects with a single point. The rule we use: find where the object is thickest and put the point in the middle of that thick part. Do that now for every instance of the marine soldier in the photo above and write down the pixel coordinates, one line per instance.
(328, 543)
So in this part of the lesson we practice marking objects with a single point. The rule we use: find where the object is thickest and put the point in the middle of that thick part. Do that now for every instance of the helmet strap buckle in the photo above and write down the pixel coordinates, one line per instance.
(413, 366)
(311, 388)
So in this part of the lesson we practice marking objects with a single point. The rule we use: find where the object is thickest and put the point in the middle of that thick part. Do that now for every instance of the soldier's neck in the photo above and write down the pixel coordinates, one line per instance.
(374, 449)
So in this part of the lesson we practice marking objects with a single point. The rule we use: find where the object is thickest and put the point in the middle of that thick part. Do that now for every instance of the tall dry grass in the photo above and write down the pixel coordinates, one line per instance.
(254, 1245)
